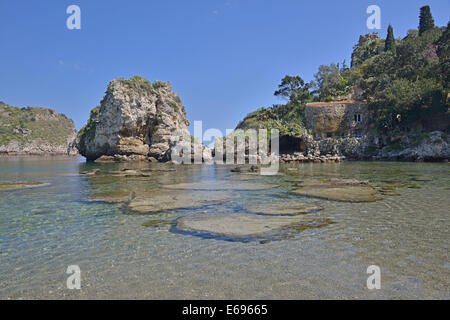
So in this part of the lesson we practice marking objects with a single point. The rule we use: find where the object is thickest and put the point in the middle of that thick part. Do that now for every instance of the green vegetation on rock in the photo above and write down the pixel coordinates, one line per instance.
(138, 83)
(34, 125)
(87, 133)
(286, 118)
(406, 82)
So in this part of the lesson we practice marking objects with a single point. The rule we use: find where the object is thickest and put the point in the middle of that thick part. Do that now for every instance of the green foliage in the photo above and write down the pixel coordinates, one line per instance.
(140, 84)
(390, 41)
(286, 118)
(426, 21)
(88, 131)
(137, 83)
(174, 105)
(294, 89)
(368, 46)
(406, 102)
(158, 84)
(332, 81)
(410, 83)
(443, 52)
(404, 80)
(30, 124)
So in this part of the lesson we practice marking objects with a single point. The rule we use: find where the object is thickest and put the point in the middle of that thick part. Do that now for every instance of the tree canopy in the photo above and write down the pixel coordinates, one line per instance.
(408, 78)
(426, 21)
(390, 41)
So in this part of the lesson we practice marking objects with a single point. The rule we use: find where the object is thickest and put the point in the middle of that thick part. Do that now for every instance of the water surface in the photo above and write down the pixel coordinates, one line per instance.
(43, 230)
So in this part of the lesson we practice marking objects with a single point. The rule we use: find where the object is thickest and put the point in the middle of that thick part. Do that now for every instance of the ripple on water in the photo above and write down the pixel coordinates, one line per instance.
(325, 254)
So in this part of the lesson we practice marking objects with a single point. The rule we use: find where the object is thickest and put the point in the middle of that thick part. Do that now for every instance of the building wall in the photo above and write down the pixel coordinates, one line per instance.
(336, 119)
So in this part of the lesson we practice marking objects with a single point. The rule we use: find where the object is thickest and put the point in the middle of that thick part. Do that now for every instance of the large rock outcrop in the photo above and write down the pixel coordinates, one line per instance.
(35, 131)
(136, 120)
(431, 146)
(420, 146)
(367, 46)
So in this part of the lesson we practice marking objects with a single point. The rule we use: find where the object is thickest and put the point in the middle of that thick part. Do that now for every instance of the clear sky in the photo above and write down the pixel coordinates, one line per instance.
(224, 58)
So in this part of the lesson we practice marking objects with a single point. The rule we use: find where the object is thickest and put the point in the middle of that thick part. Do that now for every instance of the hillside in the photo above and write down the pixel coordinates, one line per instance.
(405, 83)
(34, 130)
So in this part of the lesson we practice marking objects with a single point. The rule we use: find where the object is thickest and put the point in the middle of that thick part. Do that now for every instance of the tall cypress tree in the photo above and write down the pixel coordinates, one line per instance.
(390, 41)
(426, 21)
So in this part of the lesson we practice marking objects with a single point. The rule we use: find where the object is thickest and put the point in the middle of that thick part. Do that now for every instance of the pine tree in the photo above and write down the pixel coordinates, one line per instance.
(390, 41)
(426, 21)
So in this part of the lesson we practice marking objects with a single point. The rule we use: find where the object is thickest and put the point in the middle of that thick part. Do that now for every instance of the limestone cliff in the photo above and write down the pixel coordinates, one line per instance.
(35, 131)
(367, 46)
(135, 121)
(416, 146)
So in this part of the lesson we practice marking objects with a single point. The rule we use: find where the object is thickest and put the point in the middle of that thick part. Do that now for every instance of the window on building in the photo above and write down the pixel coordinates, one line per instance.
(358, 117)
(329, 135)
(358, 134)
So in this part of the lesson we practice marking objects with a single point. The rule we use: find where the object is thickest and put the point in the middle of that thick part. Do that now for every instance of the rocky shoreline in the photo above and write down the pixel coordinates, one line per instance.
(137, 121)
(35, 131)
(420, 147)
(297, 157)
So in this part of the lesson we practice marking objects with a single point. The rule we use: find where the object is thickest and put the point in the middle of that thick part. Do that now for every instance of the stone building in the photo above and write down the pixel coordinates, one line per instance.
(337, 119)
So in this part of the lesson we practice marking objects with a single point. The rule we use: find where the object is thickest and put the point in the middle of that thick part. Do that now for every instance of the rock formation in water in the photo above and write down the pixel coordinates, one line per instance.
(136, 120)
(35, 131)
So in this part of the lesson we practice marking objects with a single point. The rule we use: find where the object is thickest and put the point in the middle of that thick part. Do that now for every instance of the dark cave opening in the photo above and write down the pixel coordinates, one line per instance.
(290, 144)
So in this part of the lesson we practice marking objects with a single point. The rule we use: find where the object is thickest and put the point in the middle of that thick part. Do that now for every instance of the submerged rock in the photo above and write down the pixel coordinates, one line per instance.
(313, 224)
(239, 225)
(244, 169)
(131, 173)
(340, 190)
(158, 169)
(156, 223)
(421, 179)
(220, 185)
(283, 208)
(112, 196)
(171, 199)
(90, 172)
(13, 185)
(387, 190)
(105, 159)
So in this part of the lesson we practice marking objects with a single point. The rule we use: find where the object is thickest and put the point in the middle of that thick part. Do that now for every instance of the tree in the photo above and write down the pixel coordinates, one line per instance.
(293, 88)
(412, 100)
(330, 82)
(390, 41)
(443, 51)
(426, 21)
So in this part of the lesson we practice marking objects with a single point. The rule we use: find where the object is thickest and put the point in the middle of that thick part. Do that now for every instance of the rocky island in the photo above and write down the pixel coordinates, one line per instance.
(392, 103)
(134, 121)
(35, 131)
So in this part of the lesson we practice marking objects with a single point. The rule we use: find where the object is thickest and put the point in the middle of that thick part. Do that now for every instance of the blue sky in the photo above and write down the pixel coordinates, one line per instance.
(224, 58)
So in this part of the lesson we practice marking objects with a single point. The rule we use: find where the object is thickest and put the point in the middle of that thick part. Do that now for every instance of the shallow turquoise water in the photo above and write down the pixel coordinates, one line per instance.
(43, 230)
